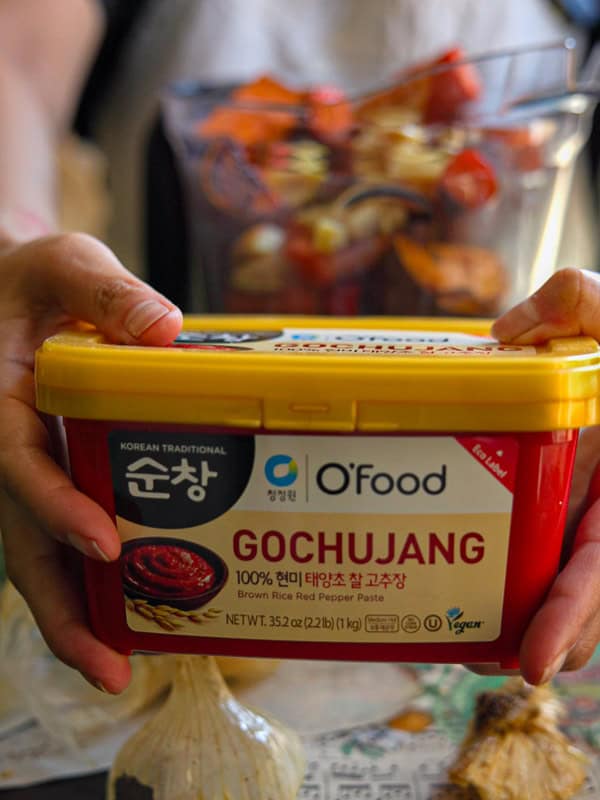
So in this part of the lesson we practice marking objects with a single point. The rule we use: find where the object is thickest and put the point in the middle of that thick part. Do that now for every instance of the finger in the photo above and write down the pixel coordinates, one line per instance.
(79, 275)
(585, 647)
(564, 631)
(34, 564)
(34, 480)
(568, 304)
(585, 482)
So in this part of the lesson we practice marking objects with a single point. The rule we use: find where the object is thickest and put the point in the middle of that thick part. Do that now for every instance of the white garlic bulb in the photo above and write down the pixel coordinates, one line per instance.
(204, 745)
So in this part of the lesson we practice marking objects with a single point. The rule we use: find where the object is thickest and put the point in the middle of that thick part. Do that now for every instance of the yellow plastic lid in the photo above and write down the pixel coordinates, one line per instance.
(325, 374)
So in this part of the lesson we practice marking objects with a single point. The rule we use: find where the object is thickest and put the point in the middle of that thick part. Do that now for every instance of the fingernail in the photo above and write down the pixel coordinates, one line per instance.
(89, 547)
(143, 316)
(555, 667)
(96, 684)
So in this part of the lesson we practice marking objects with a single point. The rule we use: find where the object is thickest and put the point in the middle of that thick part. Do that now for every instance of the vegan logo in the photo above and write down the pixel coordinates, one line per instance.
(281, 470)
(452, 615)
(456, 623)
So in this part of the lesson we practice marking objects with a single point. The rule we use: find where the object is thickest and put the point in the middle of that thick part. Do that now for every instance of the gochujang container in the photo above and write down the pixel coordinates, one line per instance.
(324, 488)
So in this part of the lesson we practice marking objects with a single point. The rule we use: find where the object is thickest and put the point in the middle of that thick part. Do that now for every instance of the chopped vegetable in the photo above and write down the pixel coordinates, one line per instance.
(325, 269)
(469, 180)
(267, 90)
(460, 277)
(330, 115)
(450, 88)
(247, 126)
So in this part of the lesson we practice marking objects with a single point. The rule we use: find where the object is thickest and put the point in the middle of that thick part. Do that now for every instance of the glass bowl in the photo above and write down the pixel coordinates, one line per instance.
(442, 193)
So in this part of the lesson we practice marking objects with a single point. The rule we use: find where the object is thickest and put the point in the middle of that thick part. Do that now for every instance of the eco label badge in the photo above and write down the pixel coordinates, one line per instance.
(314, 538)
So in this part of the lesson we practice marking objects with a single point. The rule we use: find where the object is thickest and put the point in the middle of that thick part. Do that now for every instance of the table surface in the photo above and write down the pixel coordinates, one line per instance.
(92, 787)
(450, 694)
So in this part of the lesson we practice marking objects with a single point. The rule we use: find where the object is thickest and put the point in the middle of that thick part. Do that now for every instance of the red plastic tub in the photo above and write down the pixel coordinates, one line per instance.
(308, 489)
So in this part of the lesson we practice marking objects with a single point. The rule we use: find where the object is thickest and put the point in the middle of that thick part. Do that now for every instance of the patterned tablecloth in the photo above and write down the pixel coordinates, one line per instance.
(381, 763)
(362, 759)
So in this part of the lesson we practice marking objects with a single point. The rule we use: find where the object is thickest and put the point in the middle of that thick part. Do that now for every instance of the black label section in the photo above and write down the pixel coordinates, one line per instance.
(178, 480)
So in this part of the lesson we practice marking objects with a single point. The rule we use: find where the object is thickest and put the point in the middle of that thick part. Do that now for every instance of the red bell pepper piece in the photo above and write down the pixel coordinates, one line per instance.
(469, 180)
(451, 87)
(330, 115)
(326, 269)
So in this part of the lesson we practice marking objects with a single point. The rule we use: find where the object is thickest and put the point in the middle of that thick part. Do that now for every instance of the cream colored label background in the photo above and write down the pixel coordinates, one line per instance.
(340, 614)
(469, 486)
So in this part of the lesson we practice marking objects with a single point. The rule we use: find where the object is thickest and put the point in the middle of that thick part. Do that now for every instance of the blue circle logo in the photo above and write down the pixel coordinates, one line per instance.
(281, 470)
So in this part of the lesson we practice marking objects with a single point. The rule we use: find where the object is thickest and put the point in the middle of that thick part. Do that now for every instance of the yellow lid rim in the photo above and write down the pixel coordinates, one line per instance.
(79, 375)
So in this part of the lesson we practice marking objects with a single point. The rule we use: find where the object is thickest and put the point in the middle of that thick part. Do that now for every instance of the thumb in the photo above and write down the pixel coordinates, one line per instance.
(76, 275)
(568, 304)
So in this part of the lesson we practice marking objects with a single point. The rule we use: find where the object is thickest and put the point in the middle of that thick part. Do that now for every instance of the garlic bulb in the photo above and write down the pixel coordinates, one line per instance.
(515, 750)
(204, 745)
(246, 670)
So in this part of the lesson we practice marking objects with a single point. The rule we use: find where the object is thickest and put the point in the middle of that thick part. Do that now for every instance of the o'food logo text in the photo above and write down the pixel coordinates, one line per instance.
(335, 478)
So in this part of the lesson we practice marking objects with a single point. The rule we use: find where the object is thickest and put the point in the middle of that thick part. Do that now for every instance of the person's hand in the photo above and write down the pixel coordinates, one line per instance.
(564, 633)
(44, 285)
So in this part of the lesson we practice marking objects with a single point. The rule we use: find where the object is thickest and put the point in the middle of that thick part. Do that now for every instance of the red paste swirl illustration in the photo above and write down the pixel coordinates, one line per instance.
(166, 571)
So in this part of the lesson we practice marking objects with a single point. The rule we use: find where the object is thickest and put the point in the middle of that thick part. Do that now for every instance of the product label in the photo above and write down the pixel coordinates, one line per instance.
(356, 342)
(314, 538)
